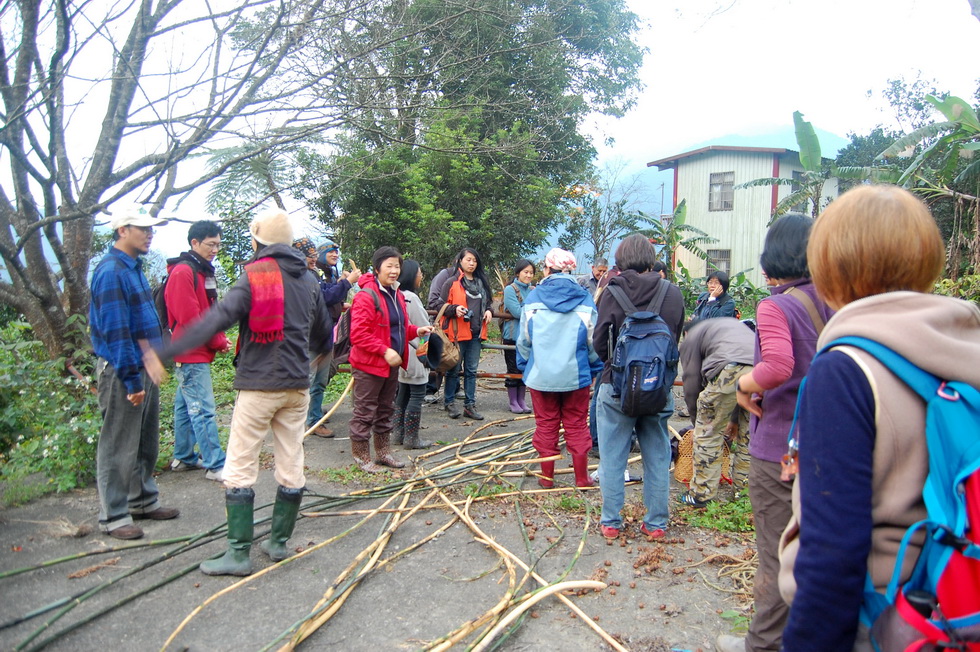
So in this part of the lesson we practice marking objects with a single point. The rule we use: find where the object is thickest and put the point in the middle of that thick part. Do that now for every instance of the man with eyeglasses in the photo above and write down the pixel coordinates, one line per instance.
(124, 323)
(191, 291)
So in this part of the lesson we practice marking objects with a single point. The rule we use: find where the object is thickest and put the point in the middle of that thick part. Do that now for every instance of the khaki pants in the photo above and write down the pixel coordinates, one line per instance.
(284, 411)
(715, 404)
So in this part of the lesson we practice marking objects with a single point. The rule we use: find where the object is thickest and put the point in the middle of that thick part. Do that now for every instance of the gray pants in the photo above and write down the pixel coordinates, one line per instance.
(129, 443)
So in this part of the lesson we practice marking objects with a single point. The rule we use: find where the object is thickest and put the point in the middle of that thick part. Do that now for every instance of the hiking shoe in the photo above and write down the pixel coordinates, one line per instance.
(323, 431)
(609, 532)
(178, 466)
(687, 499)
(215, 474)
(453, 410)
(126, 532)
(159, 514)
(652, 534)
(469, 411)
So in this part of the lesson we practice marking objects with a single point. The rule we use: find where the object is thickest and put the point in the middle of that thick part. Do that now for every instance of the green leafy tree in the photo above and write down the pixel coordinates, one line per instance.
(675, 233)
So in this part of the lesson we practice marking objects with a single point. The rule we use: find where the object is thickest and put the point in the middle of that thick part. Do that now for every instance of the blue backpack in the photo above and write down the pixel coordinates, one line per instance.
(939, 606)
(644, 358)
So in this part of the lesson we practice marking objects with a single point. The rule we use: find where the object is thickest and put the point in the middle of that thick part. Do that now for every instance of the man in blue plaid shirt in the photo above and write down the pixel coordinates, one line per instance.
(123, 322)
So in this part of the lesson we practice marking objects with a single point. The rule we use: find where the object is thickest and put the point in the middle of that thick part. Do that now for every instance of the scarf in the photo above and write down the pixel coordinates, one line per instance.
(266, 318)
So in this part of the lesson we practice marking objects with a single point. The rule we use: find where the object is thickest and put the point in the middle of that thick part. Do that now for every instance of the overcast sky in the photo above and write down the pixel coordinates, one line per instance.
(724, 69)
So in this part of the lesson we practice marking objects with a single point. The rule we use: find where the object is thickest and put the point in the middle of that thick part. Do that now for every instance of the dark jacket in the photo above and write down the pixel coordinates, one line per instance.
(191, 291)
(282, 364)
(723, 306)
(639, 288)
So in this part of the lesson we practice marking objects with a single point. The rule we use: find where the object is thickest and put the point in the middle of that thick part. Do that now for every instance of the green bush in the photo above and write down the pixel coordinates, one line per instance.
(49, 420)
(745, 293)
(965, 287)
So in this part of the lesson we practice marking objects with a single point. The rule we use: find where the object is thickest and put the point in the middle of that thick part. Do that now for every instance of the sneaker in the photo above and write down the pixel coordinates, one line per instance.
(687, 499)
(323, 431)
(453, 410)
(610, 532)
(126, 532)
(430, 398)
(652, 534)
(729, 643)
(178, 465)
(594, 476)
(461, 395)
(469, 411)
(215, 474)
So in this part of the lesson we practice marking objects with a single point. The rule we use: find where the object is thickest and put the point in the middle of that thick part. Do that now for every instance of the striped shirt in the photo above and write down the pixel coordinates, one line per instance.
(120, 314)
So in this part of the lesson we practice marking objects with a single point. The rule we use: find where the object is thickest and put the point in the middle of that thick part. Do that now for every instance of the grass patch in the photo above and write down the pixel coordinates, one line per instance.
(474, 490)
(734, 516)
(567, 503)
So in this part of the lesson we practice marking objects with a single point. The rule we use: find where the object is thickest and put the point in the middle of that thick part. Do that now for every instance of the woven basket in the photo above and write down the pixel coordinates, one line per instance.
(684, 466)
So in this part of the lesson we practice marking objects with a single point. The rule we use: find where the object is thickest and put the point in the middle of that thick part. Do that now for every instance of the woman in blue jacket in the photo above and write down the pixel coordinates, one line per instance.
(514, 296)
(554, 347)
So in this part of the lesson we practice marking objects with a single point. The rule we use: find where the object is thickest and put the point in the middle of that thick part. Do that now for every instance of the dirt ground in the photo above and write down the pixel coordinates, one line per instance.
(659, 595)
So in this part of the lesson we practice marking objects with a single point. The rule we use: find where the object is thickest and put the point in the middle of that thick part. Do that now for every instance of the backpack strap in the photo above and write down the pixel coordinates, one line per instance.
(804, 298)
(623, 300)
(657, 302)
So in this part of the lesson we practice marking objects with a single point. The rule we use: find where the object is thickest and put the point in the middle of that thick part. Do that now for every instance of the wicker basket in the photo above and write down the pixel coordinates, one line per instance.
(684, 466)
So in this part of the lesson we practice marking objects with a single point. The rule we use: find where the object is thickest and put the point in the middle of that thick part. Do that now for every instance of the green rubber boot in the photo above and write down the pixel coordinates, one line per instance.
(283, 520)
(239, 504)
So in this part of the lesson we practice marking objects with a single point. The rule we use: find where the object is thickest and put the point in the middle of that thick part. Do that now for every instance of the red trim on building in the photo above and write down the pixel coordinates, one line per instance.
(675, 190)
(775, 188)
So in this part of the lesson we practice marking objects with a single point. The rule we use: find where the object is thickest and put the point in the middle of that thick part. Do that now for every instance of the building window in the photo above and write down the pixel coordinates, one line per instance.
(720, 259)
(721, 191)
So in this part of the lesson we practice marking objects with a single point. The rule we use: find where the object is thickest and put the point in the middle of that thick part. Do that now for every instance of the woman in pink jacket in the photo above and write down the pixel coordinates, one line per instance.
(379, 335)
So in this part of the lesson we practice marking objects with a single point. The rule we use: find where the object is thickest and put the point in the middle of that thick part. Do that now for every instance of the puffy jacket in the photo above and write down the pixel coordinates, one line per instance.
(723, 306)
(187, 301)
(281, 364)
(370, 328)
(554, 345)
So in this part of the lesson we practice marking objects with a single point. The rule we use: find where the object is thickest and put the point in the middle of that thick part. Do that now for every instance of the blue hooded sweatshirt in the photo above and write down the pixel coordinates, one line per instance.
(554, 344)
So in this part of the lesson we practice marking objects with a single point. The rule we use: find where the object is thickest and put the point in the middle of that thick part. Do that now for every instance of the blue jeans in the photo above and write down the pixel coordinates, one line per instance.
(469, 360)
(615, 429)
(593, 424)
(318, 383)
(194, 417)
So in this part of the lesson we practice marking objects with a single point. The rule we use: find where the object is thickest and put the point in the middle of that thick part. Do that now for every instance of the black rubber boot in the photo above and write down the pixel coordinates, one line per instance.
(413, 420)
(398, 426)
(283, 521)
(239, 504)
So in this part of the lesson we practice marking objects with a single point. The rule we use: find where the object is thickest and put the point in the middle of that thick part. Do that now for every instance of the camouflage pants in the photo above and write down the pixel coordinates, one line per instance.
(715, 405)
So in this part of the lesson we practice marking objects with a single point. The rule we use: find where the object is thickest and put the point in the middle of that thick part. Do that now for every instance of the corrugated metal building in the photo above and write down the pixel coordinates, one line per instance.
(738, 218)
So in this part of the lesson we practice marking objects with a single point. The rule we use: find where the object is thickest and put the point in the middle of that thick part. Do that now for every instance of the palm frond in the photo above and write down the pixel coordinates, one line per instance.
(768, 181)
(808, 142)
(916, 137)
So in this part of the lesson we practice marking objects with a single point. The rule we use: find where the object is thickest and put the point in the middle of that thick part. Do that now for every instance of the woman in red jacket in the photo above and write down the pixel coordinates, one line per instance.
(379, 335)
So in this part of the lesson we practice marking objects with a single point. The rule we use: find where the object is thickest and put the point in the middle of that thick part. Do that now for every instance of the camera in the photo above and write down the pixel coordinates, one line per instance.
(467, 313)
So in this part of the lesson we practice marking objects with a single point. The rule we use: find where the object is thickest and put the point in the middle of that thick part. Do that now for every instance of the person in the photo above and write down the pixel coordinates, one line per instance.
(411, 379)
(786, 339)
(716, 302)
(191, 291)
(635, 257)
(715, 353)
(282, 320)
(467, 296)
(123, 319)
(514, 296)
(434, 302)
(591, 281)
(555, 351)
(335, 287)
(660, 268)
(875, 254)
(379, 333)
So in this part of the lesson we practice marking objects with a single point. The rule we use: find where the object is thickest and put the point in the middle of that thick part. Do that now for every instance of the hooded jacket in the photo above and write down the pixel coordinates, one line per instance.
(640, 289)
(515, 294)
(280, 364)
(370, 329)
(554, 343)
(191, 291)
(863, 455)
(413, 372)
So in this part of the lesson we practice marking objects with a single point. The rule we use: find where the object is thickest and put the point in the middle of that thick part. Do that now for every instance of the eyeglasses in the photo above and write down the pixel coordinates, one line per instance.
(213, 246)
(145, 229)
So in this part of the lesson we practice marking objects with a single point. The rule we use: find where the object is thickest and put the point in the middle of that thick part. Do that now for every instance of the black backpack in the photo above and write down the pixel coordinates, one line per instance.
(160, 303)
(644, 358)
(342, 345)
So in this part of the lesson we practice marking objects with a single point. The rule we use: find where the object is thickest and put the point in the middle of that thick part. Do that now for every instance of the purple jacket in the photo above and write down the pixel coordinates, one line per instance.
(769, 435)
